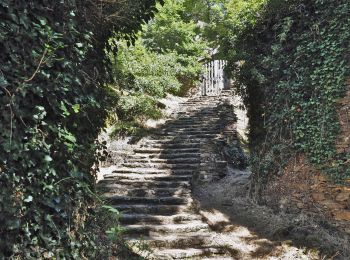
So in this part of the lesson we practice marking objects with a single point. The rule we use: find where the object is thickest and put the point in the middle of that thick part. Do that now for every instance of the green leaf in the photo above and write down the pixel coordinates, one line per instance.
(48, 158)
(76, 108)
(29, 199)
(42, 21)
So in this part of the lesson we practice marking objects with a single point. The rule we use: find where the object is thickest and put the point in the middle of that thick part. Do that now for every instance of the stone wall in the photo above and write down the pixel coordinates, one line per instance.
(213, 165)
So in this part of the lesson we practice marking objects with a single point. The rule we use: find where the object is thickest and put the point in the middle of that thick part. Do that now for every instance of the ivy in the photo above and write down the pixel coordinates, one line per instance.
(54, 101)
(293, 67)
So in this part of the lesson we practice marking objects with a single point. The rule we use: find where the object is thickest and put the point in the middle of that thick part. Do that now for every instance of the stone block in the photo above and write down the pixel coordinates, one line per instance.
(342, 215)
(343, 196)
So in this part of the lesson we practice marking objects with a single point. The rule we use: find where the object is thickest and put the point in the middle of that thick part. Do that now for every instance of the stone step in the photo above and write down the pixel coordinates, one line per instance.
(163, 210)
(105, 185)
(188, 132)
(170, 137)
(161, 166)
(198, 108)
(198, 124)
(176, 126)
(222, 257)
(201, 99)
(164, 161)
(194, 113)
(157, 219)
(168, 149)
(195, 118)
(179, 240)
(148, 192)
(156, 229)
(171, 143)
(174, 141)
(198, 103)
(149, 177)
(195, 121)
(188, 253)
(167, 156)
(148, 201)
(151, 171)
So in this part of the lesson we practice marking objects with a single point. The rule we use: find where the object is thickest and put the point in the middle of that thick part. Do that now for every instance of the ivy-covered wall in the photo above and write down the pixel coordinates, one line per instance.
(291, 63)
(53, 103)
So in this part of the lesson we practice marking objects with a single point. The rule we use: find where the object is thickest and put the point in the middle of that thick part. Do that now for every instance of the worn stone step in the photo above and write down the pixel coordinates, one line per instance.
(149, 177)
(156, 229)
(179, 240)
(148, 201)
(191, 114)
(202, 104)
(160, 166)
(188, 125)
(181, 129)
(198, 119)
(151, 171)
(107, 184)
(207, 101)
(198, 124)
(168, 149)
(153, 160)
(176, 139)
(188, 132)
(166, 156)
(195, 118)
(157, 219)
(164, 210)
(194, 111)
(148, 192)
(170, 137)
(188, 253)
(222, 257)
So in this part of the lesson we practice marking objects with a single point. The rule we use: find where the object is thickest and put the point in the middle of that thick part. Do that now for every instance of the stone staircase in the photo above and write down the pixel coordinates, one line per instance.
(152, 187)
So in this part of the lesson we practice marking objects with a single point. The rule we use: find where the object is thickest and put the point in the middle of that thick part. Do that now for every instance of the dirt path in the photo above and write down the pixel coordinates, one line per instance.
(261, 233)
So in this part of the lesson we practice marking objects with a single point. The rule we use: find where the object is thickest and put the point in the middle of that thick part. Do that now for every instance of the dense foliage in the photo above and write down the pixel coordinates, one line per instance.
(290, 61)
(60, 78)
(53, 103)
(165, 59)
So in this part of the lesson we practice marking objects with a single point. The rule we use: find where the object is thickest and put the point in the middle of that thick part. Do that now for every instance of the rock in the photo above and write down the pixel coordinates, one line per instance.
(332, 205)
(318, 197)
(300, 205)
(342, 197)
(342, 215)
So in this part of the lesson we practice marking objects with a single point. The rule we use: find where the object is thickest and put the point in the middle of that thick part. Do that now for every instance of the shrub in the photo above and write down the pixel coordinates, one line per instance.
(165, 59)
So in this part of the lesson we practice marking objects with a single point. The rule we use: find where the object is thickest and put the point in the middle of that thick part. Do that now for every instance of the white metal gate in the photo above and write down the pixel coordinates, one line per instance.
(213, 80)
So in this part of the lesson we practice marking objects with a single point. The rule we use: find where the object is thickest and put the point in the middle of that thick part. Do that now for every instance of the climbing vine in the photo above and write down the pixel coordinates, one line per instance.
(290, 61)
(53, 103)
